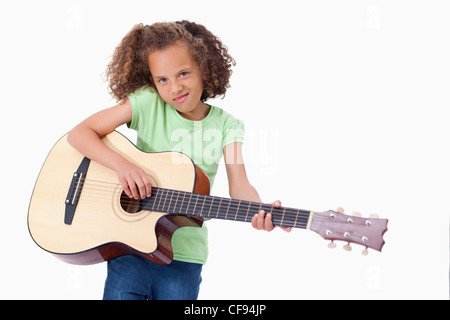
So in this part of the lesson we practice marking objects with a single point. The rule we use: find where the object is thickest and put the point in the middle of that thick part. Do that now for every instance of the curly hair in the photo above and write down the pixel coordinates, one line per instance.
(129, 69)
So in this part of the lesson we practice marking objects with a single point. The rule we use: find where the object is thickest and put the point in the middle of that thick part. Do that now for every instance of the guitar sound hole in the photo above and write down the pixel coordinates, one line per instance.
(130, 205)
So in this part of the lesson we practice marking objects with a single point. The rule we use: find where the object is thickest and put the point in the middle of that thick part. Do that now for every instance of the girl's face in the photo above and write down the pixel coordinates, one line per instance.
(179, 80)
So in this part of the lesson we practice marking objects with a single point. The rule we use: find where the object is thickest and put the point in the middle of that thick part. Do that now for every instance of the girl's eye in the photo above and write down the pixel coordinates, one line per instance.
(162, 80)
(183, 74)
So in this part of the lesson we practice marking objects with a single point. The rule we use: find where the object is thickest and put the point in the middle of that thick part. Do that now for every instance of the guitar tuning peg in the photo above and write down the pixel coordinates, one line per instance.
(374, 216)
(340, 210)
(332, 245)
(347, 247)
(365, 252)
(356, 214)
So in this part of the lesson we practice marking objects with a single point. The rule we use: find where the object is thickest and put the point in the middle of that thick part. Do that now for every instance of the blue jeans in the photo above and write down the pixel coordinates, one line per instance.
(133, 278)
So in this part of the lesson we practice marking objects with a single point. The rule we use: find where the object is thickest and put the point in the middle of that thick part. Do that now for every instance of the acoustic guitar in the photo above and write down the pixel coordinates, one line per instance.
(80, 213)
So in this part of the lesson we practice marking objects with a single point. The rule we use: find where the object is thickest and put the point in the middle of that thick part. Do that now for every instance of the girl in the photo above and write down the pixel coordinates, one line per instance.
(161, 76)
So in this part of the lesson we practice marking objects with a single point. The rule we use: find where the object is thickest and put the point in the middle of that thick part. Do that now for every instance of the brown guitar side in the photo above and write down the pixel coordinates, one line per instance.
(167, 225)
(165, 228)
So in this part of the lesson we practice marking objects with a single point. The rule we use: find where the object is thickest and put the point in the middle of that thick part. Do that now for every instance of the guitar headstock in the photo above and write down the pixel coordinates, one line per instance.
(333, 225)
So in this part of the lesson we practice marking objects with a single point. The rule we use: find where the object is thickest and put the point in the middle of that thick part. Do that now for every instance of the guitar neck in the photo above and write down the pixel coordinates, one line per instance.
(210, 207)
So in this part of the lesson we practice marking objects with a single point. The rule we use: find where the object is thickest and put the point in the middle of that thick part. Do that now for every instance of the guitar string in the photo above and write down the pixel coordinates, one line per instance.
(207, 201)
(231, 215)
(277, 218)
(319, 228)
(289, 214)
(233, 205)
(289, 217)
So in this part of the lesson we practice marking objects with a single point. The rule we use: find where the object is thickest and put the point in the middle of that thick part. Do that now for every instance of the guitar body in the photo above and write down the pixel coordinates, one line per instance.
(104, 224)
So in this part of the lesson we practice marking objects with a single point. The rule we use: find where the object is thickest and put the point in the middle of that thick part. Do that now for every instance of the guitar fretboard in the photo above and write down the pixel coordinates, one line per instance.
(211, 207)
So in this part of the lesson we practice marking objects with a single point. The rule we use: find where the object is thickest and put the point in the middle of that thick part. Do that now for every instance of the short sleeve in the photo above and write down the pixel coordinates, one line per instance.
(140, 101)
(233, 131)
(133, 100)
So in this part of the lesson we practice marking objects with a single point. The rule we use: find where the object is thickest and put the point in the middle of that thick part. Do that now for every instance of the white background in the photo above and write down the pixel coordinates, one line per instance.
(344, 104)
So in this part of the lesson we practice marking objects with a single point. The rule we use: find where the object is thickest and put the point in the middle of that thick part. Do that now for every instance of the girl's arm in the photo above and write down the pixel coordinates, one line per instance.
(85, 137)
(240, 187)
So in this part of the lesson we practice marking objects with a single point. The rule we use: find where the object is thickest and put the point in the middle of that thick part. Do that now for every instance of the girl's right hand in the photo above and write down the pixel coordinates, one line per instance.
(134, 180)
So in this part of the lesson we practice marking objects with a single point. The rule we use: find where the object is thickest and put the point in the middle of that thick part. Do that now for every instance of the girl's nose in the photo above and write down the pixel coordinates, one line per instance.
(176, 87)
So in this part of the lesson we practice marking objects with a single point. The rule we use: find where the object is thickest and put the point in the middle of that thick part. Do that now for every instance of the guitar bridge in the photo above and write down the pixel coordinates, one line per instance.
(76, 186)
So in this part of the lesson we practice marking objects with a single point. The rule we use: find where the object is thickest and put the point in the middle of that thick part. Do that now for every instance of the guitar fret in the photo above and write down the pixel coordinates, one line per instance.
(176, 202)
(237, 210)
(195, 205)
(254, 208)
(210, 207)
(296, 218)
(282, 218)
(154, 201)
(165, 199)
(228, 208)
(162, 195)
(203, 205)
(170, 201)
(248, 209)
(182, 201)
(166, 195)
(189, 202)
(218, 208)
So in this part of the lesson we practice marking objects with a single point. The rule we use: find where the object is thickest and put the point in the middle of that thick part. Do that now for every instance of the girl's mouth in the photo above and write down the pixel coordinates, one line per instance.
(181, 99)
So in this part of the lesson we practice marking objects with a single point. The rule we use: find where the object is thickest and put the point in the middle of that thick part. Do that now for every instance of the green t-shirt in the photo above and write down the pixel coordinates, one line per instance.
(161, 128)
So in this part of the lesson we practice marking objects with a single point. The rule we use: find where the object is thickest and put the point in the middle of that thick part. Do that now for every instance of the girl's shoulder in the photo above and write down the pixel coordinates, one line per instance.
(222, 114)
(147, 102)
(225, 120)
(147, 107)
(143, 95)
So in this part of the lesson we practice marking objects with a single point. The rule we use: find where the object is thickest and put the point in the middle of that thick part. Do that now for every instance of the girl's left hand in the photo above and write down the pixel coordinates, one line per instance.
(263, 221)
